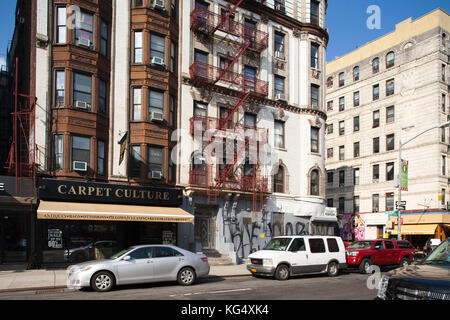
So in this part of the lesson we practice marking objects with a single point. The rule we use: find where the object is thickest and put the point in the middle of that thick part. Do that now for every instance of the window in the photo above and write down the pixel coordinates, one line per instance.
(315, 139)
(101, 156)
(330, 105)
(355, 204)
(390, 171)
(444, 165)
(341, 209)
(298, 244)
(279, 134)
(329, 128)
(376, 119)
(390, 114)
(173, 111)
(356, 99)
(141, 253)
(279, 5)
(330, 203)
(155, 102)
(164, 252)
(314, 14)
(157, 47)
(443, 73)
(172, 168)
(404, 245)
(316, 245)
(356, 149)
(138, 3)
(376, 173)
(249, 120)
(82, 90)
(315, 96)
(342, 153)
(332, 245)
(376, 145)
(249, 78)
(314, 56)
(138, 47)
(59, 152)
(173, 9)
(390, 140)
(375, 65)
(443, 136)
(355, 73)
(315, 183)
(279, 85)
(81, 149)
(390, 60)
(341, 128)
(341, 79)
(390, 87)
(279, 45)
(390, 201)
(330, 177)
(173, 57)
(102, 97)
(356, 124)
(104, 38)
(60, 87)
(341, 178)
(200, 109)
(61, 22)
(136, 113)
(330, 153)
(379, 245)
(278, 180)
(155, 161)
(375, 203)
(330, 82)
(443, 102)
(84, 30)
(443, 197)
(376, 92)
(341, 103)
(389, 245)
(356, 176)
(136, 162)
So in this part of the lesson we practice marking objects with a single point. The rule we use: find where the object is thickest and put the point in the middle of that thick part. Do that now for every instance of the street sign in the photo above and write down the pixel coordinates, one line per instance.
(401, 205)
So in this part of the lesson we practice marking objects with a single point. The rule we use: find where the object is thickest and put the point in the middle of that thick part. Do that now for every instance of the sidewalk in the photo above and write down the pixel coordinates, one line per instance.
(19, 279)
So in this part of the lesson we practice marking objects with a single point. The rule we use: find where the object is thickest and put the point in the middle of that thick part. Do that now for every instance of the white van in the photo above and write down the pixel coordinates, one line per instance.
(286, 256)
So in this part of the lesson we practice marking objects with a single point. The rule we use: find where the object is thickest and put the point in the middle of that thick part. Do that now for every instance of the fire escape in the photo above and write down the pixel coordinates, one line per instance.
(243, 40)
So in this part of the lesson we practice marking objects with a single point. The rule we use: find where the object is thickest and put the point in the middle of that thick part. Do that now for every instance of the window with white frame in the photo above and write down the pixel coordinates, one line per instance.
(138, 47)
(136, 111)
(59, 152)
(81, 149)
(60, 87)
(61, 25)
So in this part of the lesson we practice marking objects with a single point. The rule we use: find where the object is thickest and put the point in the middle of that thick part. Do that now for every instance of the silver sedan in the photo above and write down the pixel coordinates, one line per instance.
(139, 264)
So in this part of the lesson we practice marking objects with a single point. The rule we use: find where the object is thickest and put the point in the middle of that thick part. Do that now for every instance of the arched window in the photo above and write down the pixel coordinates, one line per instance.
(375, 65)
(390, 59)
(356, 73)
(341, 79)
(315, 183)
(330, 82)
(278, 180)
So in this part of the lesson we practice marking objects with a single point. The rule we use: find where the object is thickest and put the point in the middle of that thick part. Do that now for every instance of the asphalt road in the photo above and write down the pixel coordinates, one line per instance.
(346, 286)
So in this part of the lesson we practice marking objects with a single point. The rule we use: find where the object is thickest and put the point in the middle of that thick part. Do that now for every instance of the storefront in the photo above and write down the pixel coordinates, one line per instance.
(81, 221)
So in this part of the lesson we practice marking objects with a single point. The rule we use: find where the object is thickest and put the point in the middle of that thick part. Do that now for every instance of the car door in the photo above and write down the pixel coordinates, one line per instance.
(297, 256)
(166, 263)
(379, 253)
(139, 268)
(317, 259)
(391, 253)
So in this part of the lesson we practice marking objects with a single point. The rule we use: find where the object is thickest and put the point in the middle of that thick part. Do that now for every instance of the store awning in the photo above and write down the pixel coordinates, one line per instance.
(416, 229)
(110, 212)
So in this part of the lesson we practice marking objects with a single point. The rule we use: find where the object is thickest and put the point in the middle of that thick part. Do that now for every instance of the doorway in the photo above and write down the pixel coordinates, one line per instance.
(205, 227)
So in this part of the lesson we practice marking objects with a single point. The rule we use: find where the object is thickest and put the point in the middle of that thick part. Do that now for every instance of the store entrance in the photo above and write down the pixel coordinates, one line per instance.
(14, 231)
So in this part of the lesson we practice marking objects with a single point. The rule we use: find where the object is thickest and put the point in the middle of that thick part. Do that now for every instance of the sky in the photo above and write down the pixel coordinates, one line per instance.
(346, 21)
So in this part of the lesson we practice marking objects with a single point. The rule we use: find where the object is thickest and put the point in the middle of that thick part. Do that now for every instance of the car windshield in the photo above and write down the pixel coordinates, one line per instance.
(278, 244)
(361, 245)
(440, 255)
(118, 254)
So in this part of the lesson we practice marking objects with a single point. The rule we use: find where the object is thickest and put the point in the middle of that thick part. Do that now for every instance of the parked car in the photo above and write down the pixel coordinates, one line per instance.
(428, 280)
(363, 254)
(347, 243)
(140, 264)
(96, 250)
(283, 257)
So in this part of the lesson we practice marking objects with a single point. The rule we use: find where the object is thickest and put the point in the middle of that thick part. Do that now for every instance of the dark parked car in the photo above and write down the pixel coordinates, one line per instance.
(93, 251)
(428, 280)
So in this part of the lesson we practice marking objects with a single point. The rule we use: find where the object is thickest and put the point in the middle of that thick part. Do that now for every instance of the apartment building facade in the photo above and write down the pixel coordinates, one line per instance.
(384, 92)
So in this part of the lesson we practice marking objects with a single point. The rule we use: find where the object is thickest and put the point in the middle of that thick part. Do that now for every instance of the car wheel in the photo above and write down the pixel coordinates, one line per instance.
(282, 272)
(364, 267)
(333, 269)
(186, 276)
(404, 263)
(102, 281)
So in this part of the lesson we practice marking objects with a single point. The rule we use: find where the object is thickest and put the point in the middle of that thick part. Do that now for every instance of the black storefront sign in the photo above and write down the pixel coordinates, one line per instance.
(80, 191)
(12, 187)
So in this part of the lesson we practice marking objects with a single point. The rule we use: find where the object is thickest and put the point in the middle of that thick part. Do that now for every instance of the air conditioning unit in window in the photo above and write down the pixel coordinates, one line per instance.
(158, 61)
(80, 166)
(84, 42)
(159, 4)
(82, 105)
(156, 116)
(279, 7)
(157, 175)
(279, 55)
(280, 97)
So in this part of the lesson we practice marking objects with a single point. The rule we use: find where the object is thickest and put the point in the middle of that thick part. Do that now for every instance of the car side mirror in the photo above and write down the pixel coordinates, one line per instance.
(126, 258)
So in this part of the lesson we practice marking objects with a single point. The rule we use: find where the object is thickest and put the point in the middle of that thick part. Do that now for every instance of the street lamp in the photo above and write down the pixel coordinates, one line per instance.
(445, 125)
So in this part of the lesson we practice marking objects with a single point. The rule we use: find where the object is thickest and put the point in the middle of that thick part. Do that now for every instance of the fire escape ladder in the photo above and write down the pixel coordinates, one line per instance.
(224, 71)
(225, 18)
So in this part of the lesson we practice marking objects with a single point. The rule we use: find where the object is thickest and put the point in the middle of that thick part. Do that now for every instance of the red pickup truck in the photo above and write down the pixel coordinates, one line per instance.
(363, 254)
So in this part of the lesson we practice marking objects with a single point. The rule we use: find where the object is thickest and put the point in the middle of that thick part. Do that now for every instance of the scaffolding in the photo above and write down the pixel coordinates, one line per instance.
(242, 88)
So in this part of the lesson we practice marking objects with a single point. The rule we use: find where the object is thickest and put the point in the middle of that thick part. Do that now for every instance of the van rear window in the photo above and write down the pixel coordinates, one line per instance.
(332, 245)
(317, 245)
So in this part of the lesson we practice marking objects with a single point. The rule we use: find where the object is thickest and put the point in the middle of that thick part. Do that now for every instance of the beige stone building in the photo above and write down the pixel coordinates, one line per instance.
(388, 90)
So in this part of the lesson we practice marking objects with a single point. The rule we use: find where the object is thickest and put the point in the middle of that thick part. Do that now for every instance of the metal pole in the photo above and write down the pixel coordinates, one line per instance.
(399, 235)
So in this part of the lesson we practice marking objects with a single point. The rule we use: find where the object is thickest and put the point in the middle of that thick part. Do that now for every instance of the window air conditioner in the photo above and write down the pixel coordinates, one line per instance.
(157, 175)
(158, 61)
(280, 96)
(82, 105)
(156, 116)
(80, 166)
(279, 55)
(159, 4)
(84, 42)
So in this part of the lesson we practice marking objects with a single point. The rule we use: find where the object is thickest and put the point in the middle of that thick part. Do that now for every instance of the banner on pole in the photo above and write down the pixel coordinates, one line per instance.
(404, 176)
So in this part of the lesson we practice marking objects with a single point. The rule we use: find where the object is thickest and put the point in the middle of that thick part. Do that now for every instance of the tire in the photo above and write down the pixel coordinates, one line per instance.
(103, 281)
(186, 276)
(365, 265)
(282, 273)
(405, 262)
(333, 269)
